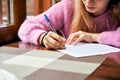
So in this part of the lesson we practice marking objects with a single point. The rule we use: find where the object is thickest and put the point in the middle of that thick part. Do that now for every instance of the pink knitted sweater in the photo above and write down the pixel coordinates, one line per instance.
(61, 15)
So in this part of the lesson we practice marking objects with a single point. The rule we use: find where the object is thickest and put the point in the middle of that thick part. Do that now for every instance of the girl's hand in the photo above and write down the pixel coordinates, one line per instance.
(54, 41)
(76, 37)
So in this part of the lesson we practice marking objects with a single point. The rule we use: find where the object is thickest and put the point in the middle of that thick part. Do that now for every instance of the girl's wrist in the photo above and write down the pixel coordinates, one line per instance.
(95, 37)
(42, 36)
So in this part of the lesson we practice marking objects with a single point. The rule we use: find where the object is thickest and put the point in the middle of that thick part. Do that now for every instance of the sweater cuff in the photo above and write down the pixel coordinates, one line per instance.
(35, 37)
(105, 38)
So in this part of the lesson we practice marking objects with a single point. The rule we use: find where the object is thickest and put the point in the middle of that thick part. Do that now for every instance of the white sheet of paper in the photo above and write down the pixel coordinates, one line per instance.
(88, 49)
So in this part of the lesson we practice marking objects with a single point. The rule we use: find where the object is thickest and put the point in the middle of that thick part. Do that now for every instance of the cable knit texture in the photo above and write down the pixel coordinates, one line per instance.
(61, 15)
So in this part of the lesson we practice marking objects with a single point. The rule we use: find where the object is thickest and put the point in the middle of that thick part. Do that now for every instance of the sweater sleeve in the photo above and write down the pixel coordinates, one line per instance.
(31, 29)
(110, 38)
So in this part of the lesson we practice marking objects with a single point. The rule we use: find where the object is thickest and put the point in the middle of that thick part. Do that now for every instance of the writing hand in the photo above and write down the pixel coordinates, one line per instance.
(54, 41)
(76, 37)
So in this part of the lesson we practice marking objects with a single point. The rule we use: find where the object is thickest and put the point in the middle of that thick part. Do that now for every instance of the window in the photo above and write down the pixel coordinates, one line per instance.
(30, 8)
(6, 12)
(14, 12)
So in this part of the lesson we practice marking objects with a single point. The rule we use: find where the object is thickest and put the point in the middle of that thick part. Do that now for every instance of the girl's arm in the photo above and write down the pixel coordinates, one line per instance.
(110, 38)
(31, 29)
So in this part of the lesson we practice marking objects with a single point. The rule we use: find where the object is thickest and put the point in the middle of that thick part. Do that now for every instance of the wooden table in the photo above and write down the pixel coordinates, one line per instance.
(109, 70)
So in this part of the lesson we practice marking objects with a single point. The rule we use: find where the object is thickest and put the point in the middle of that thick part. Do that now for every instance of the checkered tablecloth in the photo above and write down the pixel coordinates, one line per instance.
(47, 65)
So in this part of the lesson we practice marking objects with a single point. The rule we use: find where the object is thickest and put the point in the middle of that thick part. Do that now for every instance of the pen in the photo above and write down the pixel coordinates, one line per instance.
(50, 23)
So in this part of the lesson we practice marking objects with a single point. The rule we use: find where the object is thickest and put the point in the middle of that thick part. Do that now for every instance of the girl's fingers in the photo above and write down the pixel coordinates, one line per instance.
(78, 39)
(54, 41)
(57, 37)
(72, 38)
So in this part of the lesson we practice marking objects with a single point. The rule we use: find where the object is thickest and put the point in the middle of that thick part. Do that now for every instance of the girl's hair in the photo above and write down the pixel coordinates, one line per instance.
(81, 19)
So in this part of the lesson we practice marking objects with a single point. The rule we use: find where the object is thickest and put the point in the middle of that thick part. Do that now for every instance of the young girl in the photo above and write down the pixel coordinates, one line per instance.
(96, 21)
(84, 20)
